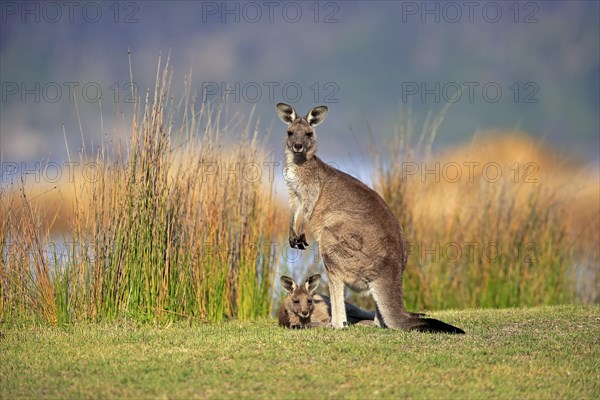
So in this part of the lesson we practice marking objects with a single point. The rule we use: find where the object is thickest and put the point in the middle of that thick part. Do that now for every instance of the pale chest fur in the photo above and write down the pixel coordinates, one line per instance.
(304, 186)
(292, 178)
(302, 182)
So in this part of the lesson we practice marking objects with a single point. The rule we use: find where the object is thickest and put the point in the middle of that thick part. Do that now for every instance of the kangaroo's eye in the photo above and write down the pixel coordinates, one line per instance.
(309, 134)
(290, 133)
(309, 301)
(296, 301)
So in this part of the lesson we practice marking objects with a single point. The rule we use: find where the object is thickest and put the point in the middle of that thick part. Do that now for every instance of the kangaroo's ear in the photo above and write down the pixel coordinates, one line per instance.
(288, 284)
(316, 115)
(312, 283)
(286, 113)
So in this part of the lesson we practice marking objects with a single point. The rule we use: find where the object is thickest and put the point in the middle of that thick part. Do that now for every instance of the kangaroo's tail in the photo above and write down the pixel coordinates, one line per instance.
(415, 322)
(354, 314)
(390, 309)
(430, 325)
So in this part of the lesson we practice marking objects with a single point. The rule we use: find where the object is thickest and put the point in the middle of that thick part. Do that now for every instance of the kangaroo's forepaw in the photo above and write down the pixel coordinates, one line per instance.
(298, 242)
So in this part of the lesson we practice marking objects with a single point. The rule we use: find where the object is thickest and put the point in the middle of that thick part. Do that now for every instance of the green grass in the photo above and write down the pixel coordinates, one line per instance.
(546, 352)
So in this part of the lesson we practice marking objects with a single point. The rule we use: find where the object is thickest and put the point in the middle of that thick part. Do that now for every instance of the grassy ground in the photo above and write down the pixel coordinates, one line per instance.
(547, 352)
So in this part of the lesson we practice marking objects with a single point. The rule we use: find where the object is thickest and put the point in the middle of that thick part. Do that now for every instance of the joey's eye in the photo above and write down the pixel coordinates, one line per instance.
(290, 133)
(309, 134)
(309, 301)
(296, 301)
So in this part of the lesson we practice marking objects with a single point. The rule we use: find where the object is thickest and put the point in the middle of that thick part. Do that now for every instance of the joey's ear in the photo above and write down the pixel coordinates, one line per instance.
(316, 115)
(286, 113)
(288, 284)
(312, 283)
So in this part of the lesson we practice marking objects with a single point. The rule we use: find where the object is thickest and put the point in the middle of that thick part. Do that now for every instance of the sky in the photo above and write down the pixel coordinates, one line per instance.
(502, 66)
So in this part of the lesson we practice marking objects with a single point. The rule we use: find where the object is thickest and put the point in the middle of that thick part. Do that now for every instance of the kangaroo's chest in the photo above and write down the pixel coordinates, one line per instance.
(300, 181)
(292, 178)
(304, 186)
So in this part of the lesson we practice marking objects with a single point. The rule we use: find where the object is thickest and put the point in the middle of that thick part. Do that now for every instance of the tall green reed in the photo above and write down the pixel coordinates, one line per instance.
(162, 233)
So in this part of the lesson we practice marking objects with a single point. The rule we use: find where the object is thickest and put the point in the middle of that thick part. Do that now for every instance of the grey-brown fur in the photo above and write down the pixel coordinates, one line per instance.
(361, 241)
(303, 308)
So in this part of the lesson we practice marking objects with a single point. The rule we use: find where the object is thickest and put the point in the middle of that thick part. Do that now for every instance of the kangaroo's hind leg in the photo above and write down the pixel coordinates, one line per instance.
(338, 308)
(387, 292)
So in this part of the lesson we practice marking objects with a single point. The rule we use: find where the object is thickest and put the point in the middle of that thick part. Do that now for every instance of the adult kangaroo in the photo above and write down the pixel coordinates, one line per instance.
(361, 241)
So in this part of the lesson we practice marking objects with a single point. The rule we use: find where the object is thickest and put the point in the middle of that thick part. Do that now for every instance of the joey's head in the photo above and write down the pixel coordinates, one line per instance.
(300, 298)
(301, 140)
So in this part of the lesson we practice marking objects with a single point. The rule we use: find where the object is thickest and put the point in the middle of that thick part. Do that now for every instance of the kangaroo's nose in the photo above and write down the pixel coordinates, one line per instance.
(304, 315)
(297, 146)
